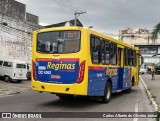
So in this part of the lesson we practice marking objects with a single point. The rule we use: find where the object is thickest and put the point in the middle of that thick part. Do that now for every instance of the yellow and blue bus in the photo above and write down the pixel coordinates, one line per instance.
(69, 61)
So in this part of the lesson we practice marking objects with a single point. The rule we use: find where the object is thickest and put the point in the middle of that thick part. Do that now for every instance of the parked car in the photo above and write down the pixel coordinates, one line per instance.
(13, 70)
(157, 69)
(142, 70)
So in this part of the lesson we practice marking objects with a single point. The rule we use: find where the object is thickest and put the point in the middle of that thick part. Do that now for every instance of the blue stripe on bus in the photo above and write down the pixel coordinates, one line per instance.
(98, 78)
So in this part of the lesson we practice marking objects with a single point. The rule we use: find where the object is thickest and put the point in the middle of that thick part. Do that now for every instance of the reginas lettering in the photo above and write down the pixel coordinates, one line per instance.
(61, 66)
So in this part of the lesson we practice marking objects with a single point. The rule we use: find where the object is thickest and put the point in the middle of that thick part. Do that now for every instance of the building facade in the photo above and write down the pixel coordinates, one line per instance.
(16, 27)
(142, 39)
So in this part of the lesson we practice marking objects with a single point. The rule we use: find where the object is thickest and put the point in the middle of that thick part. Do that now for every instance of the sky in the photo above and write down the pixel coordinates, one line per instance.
(107, 16)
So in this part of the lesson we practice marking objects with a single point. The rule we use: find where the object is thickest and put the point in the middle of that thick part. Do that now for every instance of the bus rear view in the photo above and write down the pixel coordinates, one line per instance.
(71, 61)
(58, 63)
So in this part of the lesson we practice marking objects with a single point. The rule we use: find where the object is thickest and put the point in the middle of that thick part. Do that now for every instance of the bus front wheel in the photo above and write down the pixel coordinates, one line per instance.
(107, 93)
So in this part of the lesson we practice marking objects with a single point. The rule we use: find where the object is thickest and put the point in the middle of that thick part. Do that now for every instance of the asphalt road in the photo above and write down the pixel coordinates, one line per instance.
(136, 101)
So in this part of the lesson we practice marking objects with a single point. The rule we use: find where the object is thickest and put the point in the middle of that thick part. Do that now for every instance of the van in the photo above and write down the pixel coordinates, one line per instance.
(13, 70)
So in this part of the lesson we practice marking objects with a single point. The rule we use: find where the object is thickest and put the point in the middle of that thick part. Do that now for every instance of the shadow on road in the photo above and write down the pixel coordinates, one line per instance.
(80, 102)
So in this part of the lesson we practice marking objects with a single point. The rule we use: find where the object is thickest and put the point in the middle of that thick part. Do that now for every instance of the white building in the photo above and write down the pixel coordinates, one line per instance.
(142, 39)
(16, 26)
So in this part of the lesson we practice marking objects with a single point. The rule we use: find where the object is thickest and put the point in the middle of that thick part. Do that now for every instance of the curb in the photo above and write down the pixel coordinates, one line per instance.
(154, 105)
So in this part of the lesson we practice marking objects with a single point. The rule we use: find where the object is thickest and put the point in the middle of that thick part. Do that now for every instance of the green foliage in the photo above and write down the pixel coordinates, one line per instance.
(155, 32)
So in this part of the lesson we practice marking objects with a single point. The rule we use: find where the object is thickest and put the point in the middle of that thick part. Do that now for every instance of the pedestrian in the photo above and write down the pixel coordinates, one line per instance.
(153, 71)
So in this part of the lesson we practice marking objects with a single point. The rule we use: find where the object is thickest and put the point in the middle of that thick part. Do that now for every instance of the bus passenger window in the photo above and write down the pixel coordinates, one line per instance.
(103, 51)
(126, 56)
(113, 56)
(129, 57)
(107, 54)
(95, 50)
(134, 58)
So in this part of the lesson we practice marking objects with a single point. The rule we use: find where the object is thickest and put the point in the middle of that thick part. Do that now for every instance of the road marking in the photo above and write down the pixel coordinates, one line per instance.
(143, 83)
(136, 111)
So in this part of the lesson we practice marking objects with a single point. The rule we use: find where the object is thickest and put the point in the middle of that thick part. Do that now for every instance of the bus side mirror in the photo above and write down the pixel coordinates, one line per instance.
(141, 60)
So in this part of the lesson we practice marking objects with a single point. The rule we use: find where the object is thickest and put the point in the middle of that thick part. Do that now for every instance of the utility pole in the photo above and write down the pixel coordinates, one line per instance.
(76, 16)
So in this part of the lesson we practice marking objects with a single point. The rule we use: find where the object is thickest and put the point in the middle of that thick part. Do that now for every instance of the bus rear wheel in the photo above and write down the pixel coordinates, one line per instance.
(107, 93)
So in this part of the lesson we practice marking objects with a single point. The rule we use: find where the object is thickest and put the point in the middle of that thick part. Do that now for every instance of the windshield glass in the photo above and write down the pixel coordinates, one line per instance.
(58, 42)
(20, 66)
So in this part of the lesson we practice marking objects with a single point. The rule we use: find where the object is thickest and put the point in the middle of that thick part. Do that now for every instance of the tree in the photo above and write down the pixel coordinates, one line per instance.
(155, 32)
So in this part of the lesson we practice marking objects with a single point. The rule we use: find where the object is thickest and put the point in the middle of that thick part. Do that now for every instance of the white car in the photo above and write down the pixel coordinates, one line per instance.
(13, 70)
(142, 70)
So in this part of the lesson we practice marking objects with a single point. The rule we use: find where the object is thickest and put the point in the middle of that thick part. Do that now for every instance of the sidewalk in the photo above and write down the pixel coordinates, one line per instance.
(14, 88)
(153, 86)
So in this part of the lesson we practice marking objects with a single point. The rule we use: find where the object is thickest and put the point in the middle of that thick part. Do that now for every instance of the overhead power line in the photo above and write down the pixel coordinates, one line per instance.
(73, 6)
(68, 3)
(61, 3)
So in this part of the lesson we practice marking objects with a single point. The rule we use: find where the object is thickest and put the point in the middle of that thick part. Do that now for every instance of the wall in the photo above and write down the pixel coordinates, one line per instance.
(15, 37)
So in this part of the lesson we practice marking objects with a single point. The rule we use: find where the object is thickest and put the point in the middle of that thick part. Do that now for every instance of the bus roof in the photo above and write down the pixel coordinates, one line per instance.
(91, 31)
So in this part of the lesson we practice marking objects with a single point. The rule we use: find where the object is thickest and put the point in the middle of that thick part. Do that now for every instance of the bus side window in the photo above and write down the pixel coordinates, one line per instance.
(113, 55)
(126, 56)
(95, 49)
(105, 51)
(134, 58)
(129, 57)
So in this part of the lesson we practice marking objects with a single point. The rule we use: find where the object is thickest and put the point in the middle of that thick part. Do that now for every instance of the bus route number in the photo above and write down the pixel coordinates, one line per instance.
(72, 34)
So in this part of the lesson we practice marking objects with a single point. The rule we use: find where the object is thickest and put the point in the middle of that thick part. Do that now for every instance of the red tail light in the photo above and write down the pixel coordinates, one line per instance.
(81, 72)
(34, 70)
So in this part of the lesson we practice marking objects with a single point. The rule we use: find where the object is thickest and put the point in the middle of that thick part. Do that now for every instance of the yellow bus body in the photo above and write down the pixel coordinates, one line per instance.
(82, 55)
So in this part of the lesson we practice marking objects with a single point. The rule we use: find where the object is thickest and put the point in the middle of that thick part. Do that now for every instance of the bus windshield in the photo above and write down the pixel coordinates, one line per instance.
(58, 42)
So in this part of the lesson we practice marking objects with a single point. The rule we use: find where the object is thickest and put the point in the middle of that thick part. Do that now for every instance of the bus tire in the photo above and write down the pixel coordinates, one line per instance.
(107, 93)
(6, 78)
